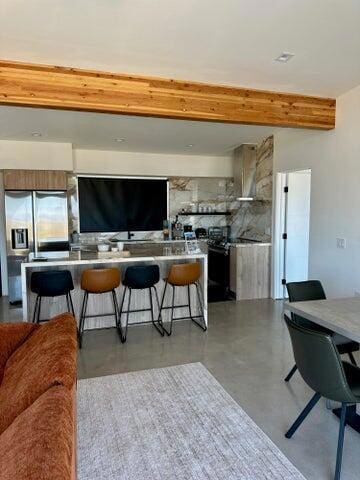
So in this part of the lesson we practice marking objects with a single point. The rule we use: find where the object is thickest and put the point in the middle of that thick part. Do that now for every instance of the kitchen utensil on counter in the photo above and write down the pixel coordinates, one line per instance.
(120, 246)
(103, 247)
(201, 232)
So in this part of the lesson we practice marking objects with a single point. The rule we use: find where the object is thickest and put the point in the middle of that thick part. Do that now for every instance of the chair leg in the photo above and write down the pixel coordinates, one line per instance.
(201, 325)
(291, 373)
(67, 303)
(71, 305)
(127, 315)
(303, 415)
(82, 318)
(156, 324)
(168, 332)
(116, 311)
(35, 309)
(352, 359)
(120, 314)
(340, 442)
(38, 310)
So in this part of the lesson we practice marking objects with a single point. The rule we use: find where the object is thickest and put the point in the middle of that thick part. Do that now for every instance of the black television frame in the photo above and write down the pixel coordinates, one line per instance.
(129, 177)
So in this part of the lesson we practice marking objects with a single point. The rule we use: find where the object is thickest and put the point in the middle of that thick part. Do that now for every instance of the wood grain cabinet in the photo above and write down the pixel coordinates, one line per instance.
(35, 180)
(250, 271)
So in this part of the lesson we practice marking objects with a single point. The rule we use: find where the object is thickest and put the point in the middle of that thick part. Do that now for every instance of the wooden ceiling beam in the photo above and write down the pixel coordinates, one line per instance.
(48, 86)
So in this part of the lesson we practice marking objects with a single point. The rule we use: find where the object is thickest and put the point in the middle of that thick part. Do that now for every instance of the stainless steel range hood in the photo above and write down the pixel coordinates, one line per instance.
(244, 165)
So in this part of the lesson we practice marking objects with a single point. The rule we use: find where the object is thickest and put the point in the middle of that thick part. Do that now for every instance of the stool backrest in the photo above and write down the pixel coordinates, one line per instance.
(184, 273)
(319, 362)
(51, 283)
(100, 280)
(142, 276)
(301, 292)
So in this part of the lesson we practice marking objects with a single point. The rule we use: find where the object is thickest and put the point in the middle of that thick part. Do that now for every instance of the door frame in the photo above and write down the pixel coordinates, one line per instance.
(279, 227)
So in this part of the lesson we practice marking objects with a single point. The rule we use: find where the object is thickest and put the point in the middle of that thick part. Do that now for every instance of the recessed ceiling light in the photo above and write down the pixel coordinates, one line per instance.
(190, 145)
(36, 134)
(284, 57)
(119, 140)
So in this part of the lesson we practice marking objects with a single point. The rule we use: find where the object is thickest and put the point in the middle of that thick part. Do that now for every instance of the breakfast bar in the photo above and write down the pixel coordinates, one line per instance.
(162, 254)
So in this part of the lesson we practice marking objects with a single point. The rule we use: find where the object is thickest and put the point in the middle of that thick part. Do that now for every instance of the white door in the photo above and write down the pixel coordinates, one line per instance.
(297, 225)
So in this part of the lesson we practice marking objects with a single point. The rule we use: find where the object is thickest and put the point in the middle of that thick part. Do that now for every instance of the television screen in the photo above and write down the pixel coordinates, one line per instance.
(121, 204)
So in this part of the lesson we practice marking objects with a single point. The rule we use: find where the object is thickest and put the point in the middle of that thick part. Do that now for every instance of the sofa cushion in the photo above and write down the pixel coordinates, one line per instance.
(12, 335)
(38, 445)
(47, 358)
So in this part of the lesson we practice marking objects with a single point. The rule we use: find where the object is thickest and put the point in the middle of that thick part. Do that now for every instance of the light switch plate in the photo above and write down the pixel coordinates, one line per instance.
(341, 243)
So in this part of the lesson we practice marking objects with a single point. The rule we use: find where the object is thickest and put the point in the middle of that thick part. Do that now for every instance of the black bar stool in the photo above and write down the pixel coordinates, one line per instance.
(141, 277)
(183, 275)
(51, 283)
(98, 281)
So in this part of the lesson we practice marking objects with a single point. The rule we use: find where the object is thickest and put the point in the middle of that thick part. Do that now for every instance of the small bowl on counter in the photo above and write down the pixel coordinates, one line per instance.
(103, 247)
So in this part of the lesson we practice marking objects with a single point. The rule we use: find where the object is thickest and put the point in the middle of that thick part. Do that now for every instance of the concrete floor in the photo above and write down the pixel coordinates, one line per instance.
(247, 349)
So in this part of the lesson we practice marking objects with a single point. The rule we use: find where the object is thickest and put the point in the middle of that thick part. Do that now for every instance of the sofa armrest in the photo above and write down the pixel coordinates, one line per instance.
(12, 336)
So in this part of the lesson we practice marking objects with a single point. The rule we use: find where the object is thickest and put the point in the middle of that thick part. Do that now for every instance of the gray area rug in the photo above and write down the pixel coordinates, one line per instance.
(173, 423)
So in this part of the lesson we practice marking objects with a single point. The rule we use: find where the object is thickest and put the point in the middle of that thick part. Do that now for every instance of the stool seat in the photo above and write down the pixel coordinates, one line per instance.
(183, 274)
(51, 283)
(141, 276)
(100, 280)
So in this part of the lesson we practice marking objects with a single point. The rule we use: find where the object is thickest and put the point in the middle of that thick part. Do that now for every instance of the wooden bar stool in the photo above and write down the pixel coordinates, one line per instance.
(51, 283)
(183, 275)
(99, 281)
(141, 277)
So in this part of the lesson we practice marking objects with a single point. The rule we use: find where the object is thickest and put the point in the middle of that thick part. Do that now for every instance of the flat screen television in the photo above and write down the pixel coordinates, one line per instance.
(121, 204)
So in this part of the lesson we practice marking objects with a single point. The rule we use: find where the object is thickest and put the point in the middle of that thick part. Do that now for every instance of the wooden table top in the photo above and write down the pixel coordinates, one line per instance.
(340, 315)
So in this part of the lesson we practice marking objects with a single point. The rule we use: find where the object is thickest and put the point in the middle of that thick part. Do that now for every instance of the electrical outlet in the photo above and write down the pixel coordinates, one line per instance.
(341, 243)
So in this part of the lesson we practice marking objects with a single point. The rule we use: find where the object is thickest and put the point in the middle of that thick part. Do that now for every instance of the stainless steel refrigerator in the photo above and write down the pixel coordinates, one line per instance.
(36, 222)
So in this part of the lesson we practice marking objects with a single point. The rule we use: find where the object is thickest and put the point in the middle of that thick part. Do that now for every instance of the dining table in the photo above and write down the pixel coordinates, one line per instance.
(340, 315)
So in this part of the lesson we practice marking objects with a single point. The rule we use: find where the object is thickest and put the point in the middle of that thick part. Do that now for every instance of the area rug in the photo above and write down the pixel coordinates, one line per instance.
(174, 423)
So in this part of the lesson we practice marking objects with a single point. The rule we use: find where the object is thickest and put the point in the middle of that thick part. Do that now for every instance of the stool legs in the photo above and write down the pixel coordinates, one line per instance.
(83, 315)
(199, 324)
(37, 307)
(82, 318)
(192, 317)
(157, 323)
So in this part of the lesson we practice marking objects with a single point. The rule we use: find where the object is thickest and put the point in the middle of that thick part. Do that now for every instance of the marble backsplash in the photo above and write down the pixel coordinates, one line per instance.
(206, 195)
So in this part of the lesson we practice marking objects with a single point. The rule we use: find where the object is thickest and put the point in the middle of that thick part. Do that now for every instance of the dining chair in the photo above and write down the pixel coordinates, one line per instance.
(321, 367)
(313, 290)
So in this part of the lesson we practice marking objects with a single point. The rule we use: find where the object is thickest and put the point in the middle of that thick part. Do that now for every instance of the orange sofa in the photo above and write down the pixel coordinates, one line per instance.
(37, 400)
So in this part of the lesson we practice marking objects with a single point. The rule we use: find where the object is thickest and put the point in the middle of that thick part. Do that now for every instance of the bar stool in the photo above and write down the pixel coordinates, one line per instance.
(98, 281)
(51, 283)
(183, 275)
(141, 277)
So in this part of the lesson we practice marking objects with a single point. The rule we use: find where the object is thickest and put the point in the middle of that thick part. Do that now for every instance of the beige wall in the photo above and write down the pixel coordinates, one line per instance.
(129, 163)
(334, 159)
(36, 155)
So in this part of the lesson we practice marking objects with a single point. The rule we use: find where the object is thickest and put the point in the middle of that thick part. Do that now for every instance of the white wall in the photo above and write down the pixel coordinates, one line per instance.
(35, 155)
(334, 159)
(129, 163)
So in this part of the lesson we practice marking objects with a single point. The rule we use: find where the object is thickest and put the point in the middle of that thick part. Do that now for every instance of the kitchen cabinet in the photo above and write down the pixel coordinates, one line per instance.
(250, 267)
(35, 180)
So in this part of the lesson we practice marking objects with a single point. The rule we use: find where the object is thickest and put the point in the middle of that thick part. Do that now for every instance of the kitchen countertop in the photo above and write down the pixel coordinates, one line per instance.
(240, 245)
(145, 253)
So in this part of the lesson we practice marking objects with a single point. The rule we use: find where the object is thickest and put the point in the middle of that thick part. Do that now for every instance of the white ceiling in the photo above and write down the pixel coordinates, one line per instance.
(228, 41)
(141, 134)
